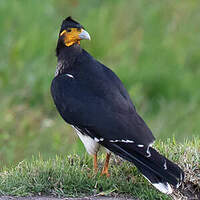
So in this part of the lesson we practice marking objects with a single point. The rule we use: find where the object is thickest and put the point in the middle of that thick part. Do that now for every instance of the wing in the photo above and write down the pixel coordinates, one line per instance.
(91, 97)
(100, 108)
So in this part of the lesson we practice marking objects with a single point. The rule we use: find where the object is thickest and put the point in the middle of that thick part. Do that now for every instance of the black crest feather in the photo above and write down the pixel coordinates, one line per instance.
(69, 23)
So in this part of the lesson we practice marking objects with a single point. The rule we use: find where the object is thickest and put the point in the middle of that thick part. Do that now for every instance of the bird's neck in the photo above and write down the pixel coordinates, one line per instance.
(66, 57)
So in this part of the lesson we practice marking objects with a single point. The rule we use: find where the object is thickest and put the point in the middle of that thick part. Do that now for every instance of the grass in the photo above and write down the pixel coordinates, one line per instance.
(152, 46)
(72, 175)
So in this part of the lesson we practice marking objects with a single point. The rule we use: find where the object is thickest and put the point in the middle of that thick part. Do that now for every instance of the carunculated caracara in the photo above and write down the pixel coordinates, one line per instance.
(91, 98)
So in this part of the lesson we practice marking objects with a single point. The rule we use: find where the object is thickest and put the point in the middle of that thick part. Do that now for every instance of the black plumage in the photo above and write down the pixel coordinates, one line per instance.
(89, 96)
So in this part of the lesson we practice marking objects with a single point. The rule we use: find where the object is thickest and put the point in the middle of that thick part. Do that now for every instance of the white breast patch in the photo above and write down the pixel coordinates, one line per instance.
(91, 145)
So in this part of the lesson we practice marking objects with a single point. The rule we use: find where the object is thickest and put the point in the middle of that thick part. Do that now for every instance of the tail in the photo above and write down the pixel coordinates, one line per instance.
(157, 169)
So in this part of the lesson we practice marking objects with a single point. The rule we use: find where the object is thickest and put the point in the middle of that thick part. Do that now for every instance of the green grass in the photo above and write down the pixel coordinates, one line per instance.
(72, 175)
(153, 46)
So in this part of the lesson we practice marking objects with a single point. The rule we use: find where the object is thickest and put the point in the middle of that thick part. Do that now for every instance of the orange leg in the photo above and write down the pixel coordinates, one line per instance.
(95, 164)
(105, 168)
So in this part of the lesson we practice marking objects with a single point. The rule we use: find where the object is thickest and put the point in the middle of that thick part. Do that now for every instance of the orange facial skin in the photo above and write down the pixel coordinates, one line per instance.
(71, 36)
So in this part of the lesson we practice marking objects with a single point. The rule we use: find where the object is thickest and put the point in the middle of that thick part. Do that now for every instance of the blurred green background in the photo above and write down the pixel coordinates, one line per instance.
(153, 46)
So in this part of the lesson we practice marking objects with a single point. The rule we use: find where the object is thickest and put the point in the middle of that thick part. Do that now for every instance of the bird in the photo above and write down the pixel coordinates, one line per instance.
(93, 100)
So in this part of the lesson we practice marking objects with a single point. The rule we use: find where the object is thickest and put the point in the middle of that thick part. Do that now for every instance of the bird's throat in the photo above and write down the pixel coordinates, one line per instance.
(66, 57)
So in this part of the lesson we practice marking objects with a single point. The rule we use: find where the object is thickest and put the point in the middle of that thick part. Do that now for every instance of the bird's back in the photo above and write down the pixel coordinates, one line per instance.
(96, 98)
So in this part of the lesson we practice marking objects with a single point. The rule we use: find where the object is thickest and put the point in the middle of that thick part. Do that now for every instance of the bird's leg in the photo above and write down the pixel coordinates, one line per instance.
(105, 168)
(95, 164)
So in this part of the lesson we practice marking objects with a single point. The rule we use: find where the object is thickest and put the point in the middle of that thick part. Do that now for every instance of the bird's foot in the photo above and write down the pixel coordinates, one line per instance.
(105, 168)
(95, 164)
(105, 172)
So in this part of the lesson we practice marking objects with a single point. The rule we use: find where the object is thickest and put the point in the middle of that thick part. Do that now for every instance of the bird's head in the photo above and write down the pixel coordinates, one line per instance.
(72, 32)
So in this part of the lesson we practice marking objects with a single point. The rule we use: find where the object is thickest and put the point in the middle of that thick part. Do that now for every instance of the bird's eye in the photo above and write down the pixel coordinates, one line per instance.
(78, 29)
(69, 30)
